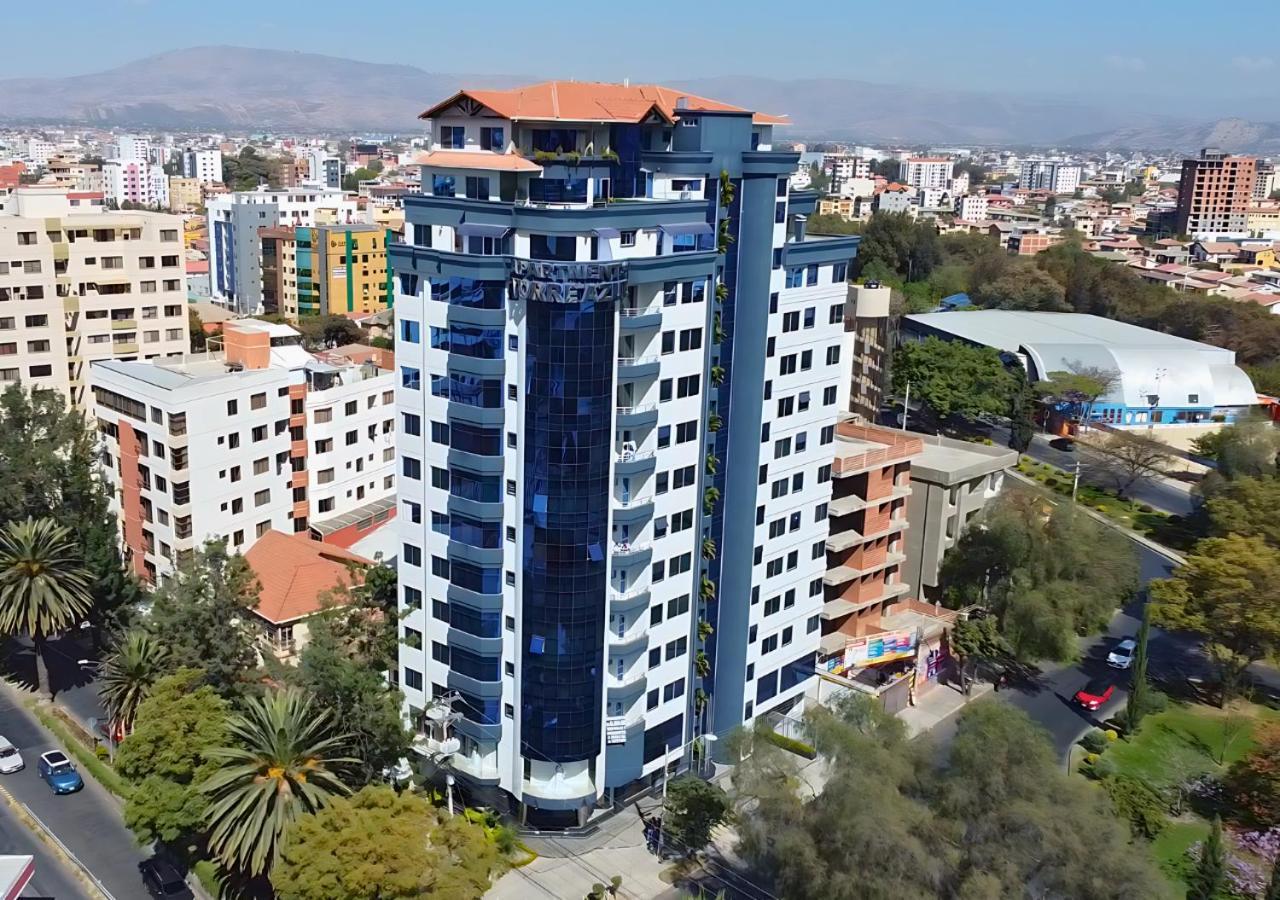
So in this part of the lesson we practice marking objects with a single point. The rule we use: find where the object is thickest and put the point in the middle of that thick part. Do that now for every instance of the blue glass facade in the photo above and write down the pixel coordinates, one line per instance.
(567, 451)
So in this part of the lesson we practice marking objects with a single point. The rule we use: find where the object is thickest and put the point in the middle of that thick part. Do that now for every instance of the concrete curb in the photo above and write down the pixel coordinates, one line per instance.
(1167, 552)
(59, 849)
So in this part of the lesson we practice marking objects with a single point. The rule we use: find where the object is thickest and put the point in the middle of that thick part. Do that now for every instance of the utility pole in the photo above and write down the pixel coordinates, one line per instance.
(1075, 482)
(906, 406)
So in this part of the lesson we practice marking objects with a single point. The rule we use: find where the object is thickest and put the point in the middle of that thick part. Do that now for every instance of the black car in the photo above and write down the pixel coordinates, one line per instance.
(1066, 445)
(163, 881)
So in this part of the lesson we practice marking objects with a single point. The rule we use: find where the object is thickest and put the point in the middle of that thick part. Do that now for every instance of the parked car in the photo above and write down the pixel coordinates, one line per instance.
(1097, 692)
(1066, 445)
(163, 881)
(59, 772)
(10, 758)
(1121, 655)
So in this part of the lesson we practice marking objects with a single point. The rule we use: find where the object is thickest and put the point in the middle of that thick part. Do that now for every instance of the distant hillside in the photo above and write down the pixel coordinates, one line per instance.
(1234, 135)
(242, 88)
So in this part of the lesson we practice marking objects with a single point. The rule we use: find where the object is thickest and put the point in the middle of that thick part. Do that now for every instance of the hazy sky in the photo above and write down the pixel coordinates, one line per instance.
(1087, 49)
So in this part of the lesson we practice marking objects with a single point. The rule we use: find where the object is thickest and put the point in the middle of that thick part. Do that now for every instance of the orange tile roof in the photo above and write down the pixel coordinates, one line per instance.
(470, 159)
(294, 571)
(594, 101)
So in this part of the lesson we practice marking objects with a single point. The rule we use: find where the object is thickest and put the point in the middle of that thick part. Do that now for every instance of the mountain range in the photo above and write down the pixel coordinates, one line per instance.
(238, 88)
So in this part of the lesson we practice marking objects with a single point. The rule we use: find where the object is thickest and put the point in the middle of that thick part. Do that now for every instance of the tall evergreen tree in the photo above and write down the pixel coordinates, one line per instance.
(1139, 687)
(1210, 876)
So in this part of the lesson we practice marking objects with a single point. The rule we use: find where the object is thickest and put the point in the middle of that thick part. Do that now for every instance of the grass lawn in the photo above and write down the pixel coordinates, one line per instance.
(1177, 745)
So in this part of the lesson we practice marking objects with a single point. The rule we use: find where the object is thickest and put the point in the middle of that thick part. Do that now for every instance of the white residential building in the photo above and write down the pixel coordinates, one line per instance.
(845, 168)
(231, 444)
(972, 207)
(235, 249)
(608, 447)
(131, 148)
(78, 284)
(39, 150)
(926, 171)
(135, 182)
(1049, 175)
(203, 165)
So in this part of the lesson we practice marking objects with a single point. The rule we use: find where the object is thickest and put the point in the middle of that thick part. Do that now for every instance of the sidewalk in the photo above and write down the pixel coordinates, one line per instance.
(938, 704)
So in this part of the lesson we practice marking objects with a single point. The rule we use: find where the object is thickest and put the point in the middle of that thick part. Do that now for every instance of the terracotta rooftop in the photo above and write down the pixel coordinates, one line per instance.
(294, 571)
(470, 159)
(594, 101)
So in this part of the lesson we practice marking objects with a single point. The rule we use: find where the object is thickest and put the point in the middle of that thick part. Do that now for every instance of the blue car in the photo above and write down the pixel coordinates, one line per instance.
(59, 773)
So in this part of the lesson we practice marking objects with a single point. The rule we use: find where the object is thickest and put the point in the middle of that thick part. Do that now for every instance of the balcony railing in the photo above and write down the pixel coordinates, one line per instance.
(626, 456)
(639, 408)
(629, 548)
(638, 360)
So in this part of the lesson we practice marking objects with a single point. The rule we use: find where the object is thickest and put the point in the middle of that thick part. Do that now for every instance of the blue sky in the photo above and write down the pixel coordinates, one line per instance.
(1088, 49)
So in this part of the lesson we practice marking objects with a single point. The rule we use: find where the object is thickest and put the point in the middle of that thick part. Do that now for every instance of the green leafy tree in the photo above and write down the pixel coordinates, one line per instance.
(334, 674)
(202, 616)
(1021, 288)
(49, 467)
(248, 170)
(1228, 590)
(951, 378)
(819, 180)
(898, 244)
(379, 845)
(319, 332)
(1139, 699)
(831, 223)
(1080, 386)
(974, 640)
(1243, 506)
(1246, 449)
(1017, 816)
(286, 760)
(128, 674)
(167, 757)
(1209, 879)
(44, 587)
(693, 808)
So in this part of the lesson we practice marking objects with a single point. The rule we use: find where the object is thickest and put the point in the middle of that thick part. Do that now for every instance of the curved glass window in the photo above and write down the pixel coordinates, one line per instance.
(481, 623)
(477, 579)
(465, 340)
(481, 488)
(468, 292)
(468, 389)
(475, 439)
(474, 532)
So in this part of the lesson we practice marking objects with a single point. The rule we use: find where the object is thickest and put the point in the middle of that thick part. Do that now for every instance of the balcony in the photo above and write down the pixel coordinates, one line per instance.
(123, 324)
(628, 682)
(631, 552)
(637, 416)
(639, 366)
(838, 575)
(630, 461)
(621, 601)
(124, 347)
(635, 638)
(839, 607)
(633, 509)
(842, 506)
(633, 318)
(433, 747)
(849, 537)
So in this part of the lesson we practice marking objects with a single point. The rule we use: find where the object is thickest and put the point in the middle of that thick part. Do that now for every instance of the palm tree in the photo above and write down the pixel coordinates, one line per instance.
(287, 765)
(44, 588)
(127, 676)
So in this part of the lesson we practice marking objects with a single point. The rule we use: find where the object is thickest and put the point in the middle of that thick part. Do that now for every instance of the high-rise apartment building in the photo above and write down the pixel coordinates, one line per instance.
(128, 181)
(867, 342)
(926, 171)
(235, 249)
(1049, 175)
(1214, 195)
(619, 359)
(233, 443)
(79, 284)
(1264, 179)
(131, 148)
(328, 269)
(205, 166)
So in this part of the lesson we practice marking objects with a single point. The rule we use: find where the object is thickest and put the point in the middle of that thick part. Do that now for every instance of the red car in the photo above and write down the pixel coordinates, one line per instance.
(1097, 692)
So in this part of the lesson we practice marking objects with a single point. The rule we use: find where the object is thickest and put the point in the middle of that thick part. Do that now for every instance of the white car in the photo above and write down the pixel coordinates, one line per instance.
(10, 758)
(1121, 656)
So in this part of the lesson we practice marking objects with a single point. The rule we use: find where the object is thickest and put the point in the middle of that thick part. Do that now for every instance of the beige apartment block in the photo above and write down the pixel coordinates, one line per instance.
(82, 286)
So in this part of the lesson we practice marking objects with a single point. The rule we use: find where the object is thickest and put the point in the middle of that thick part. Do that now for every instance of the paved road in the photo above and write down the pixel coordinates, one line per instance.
(52, 879)
(88, 822)
(1158, 492)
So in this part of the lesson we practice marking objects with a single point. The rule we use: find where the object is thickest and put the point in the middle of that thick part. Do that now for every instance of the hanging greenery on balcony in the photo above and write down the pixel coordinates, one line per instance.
(726, 189)
(713, 463)
(700, 698)
(701, 664)
(710, 498)
(609, 154)
(708, 589)
(717, 375)
(717, 330)
(722, 292)
(708, 548)
(704, 630)
(724, 239)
